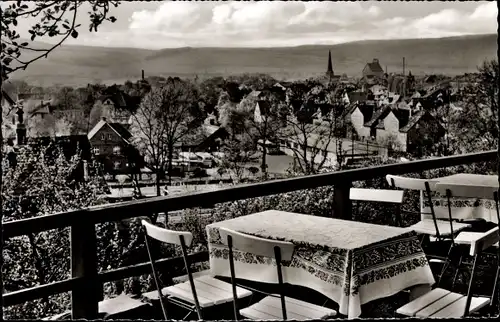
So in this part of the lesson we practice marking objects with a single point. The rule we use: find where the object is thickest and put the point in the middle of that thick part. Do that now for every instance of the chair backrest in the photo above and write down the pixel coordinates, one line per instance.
(484, 240)
(465, 191)
(166, 235)
(422, 185)
(256, 245)
(410, 183)
(280, 250)
(181, 238)
(378, 195)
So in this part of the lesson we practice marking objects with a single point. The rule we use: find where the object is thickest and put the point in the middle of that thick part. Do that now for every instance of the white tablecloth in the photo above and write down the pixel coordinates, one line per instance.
(464, 208)
(352, 263)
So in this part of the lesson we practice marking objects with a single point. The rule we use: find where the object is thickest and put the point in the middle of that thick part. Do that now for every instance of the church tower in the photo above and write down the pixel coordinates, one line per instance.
(329, 71)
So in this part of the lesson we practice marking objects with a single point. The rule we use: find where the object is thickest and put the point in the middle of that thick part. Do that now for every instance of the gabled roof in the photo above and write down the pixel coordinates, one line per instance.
(296, 105)
(378, 115)
(116, 127)
(403, 116)
(357, 97)
(122, 130)
(254, 94)
(366, 110)
(375, 67)
(264, 107)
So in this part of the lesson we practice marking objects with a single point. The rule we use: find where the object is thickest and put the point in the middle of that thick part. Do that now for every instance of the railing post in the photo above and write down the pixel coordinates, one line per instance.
(85, 298)
(342, 205)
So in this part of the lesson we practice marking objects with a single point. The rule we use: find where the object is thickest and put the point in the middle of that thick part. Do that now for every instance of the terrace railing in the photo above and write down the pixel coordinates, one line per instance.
(84, 273)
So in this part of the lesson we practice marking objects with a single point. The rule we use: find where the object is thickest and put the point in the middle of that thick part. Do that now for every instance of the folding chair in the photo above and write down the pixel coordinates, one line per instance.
(394, 197)
(440, 228)
(196, 294)
(272, 307)
(443, 230)
(467, 238)
(441, 303)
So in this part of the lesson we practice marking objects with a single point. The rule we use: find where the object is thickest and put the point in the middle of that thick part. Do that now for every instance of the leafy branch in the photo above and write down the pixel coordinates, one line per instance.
(51, 23)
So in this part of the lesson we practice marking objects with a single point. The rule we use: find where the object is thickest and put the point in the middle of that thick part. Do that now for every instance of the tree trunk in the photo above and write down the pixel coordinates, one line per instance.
(170, 156)
(38, 265)
(263, 165)
(158, 174)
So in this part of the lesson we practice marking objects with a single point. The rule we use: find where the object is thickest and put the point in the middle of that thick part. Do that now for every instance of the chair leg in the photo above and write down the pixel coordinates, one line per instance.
(445, 265)
(494, 296)
(456, 272)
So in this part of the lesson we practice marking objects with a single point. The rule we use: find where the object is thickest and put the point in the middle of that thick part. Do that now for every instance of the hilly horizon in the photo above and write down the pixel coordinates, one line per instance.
(76, 65)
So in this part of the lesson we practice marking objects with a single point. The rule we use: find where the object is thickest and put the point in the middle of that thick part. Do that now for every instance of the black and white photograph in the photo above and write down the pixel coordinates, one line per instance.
(249, 160)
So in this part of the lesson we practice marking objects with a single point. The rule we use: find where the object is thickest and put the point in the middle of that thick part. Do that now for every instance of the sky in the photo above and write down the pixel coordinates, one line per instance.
(169, 24)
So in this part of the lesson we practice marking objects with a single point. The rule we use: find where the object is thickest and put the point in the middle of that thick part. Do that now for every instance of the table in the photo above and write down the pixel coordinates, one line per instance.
(465, 208)
(350, 262)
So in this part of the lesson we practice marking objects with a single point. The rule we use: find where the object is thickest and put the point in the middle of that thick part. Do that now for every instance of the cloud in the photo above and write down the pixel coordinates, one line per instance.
(296, 23)
(276, 23)
(449, 22)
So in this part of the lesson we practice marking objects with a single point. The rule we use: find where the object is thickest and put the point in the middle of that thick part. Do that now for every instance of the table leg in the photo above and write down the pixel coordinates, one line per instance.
(419, 290)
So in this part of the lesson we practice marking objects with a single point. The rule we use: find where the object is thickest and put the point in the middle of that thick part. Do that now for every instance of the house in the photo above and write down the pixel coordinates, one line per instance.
(324, 113)
(372, 71)
(399, 127)
(422, 132)
(115, 105)
(357, 97)
(358, 116)
(262, 110)
(211, 119)
(388, 126)
(208, 139)
(111, 146)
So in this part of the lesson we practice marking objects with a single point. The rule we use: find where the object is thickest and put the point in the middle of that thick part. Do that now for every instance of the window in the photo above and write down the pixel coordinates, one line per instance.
(117, 150)
(96, 151)
(109, 136)
(103, 137)
(118, 164)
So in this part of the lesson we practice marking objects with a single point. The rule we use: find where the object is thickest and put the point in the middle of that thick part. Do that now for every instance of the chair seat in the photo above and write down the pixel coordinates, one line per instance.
(427, 227)
(269, 308)
(457, 308)
(441, 303)
(210, 291)
(119, 305)
(466, 237)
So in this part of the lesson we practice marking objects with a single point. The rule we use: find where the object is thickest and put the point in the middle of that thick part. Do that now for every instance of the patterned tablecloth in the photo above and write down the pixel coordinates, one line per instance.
(350, 262)
(464, 208)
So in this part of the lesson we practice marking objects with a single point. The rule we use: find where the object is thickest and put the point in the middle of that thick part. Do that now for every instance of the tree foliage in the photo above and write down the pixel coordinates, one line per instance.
(44, 181)
(476, 124)
(167, 115)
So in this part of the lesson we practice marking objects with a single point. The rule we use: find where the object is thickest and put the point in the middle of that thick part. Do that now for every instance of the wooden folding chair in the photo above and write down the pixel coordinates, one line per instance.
(443, 230)
(394, 197)
(272, 307)
(467, 238)
(196, 294)
(441, 303)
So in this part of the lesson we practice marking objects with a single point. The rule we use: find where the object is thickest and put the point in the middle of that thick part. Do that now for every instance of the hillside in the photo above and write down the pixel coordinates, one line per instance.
(79, 65)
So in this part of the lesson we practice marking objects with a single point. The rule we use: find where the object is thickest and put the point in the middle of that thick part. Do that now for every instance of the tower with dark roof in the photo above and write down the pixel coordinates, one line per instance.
(329, 71)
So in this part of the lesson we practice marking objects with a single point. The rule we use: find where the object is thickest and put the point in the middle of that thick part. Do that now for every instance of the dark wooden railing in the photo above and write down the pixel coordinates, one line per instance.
(85, 279)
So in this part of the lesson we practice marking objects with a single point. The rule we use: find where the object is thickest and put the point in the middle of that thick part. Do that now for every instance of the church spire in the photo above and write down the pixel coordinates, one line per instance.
(329, 71)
